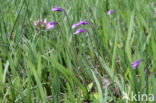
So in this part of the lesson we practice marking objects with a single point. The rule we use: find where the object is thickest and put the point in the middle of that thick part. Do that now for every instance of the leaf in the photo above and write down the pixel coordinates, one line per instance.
(99, 88)
(90, 86)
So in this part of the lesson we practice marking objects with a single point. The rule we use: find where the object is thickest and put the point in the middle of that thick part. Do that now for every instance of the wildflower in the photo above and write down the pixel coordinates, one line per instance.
(50, 25)
(109, 12)
(40, 22)
(107, 82)
(57, 9)
(136, 63)
(79, 31)
(80, 23)
(35, 23)
(45, 21)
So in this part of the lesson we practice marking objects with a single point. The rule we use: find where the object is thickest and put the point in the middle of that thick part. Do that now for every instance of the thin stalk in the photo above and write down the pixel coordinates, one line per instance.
(75, 51)
(64, 42)
(96, 45)
(107, 5)
(65, 13)
(17, 17)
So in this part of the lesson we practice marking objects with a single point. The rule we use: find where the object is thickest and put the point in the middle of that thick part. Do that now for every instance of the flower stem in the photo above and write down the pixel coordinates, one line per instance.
(74, 47)
(65, 13)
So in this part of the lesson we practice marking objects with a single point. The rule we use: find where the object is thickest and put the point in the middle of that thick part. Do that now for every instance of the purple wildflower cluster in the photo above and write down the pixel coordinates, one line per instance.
(40, 22)
(43, 23)
(78, 24)
(57, 9)
(51, 25)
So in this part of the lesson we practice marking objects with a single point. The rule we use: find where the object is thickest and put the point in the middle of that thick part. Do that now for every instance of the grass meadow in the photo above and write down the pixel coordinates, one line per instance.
(110, 59)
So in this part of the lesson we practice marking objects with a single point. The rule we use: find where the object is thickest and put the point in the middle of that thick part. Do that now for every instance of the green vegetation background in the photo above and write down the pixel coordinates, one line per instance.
(39, 66)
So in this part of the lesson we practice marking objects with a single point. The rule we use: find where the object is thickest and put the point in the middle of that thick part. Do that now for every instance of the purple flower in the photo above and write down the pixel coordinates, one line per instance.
(136, 63)
(57, 9)
(40, 22)
(80, 23)
(45, 21)
(109, 12)
(50, 25)
(79, 31)
(35, 23)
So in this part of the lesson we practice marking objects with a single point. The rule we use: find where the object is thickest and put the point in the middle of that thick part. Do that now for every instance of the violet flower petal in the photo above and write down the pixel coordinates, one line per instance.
(35, 23)
(79, 31)
(50, 25)
(80, 23)
(136, 63)
(110, 12)
(74, 26)
(83, 22)
(57, 9)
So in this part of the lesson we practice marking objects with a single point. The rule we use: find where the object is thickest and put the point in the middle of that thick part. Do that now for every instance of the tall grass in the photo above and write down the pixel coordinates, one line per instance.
(54, 66)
